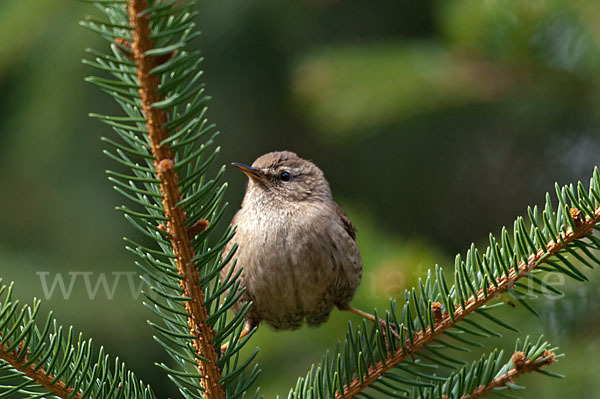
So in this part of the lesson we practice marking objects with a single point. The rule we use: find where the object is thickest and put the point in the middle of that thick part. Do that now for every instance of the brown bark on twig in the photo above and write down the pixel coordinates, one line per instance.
(39, 376)
(171, 195)
(522, 366)
(473, 303)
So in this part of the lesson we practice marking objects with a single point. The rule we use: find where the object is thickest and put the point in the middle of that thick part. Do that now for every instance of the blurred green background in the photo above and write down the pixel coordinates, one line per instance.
(436, 122)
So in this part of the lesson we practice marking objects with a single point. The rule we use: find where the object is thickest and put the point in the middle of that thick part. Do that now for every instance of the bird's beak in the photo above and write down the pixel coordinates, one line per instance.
(249, 171)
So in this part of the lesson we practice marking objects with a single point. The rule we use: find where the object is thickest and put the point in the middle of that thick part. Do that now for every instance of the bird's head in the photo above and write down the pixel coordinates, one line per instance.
(283, 176)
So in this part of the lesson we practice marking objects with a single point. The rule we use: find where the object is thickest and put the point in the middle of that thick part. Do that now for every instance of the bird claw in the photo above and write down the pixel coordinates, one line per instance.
(197, 228)
(383, 325)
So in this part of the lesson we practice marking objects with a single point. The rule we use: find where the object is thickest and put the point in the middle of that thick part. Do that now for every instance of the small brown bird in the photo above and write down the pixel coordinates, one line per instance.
(297, 247)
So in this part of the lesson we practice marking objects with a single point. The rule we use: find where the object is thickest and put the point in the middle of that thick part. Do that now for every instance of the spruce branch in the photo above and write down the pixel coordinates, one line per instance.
(54, 362)
(35, 372)
(582, 226)
(166, 141)
(522, 365)
(490, 373)
(164, 164)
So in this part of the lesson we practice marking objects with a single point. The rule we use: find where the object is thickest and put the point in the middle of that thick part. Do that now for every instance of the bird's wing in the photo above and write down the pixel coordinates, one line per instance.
(348, 226)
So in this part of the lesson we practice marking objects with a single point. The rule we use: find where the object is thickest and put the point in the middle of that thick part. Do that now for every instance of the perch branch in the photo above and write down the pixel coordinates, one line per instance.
(171, 195)
(422, 339)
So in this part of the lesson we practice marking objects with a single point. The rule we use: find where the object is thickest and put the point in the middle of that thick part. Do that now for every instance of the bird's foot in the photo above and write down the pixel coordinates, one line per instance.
(382, 323)
(384, 329)
(248, 328)
(197, 228)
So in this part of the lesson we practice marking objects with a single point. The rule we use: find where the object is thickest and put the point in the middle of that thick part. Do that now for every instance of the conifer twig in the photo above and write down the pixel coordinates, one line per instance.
(521, 366)
(504, 283)
(206, 355)
(37, 374)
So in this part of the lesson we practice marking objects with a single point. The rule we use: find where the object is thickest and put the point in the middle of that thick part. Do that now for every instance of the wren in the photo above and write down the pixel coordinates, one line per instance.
(297, 247)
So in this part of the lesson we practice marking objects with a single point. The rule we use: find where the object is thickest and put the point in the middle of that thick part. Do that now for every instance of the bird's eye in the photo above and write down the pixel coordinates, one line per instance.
(285, 176)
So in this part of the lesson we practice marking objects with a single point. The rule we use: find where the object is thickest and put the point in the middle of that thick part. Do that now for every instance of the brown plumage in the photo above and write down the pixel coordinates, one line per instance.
(296, 245)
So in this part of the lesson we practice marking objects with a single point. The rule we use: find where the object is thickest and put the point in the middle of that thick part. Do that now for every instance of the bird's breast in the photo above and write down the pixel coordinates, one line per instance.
(288, 264)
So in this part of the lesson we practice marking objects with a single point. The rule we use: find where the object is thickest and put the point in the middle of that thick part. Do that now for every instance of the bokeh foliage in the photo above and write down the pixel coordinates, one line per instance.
(406, 105)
